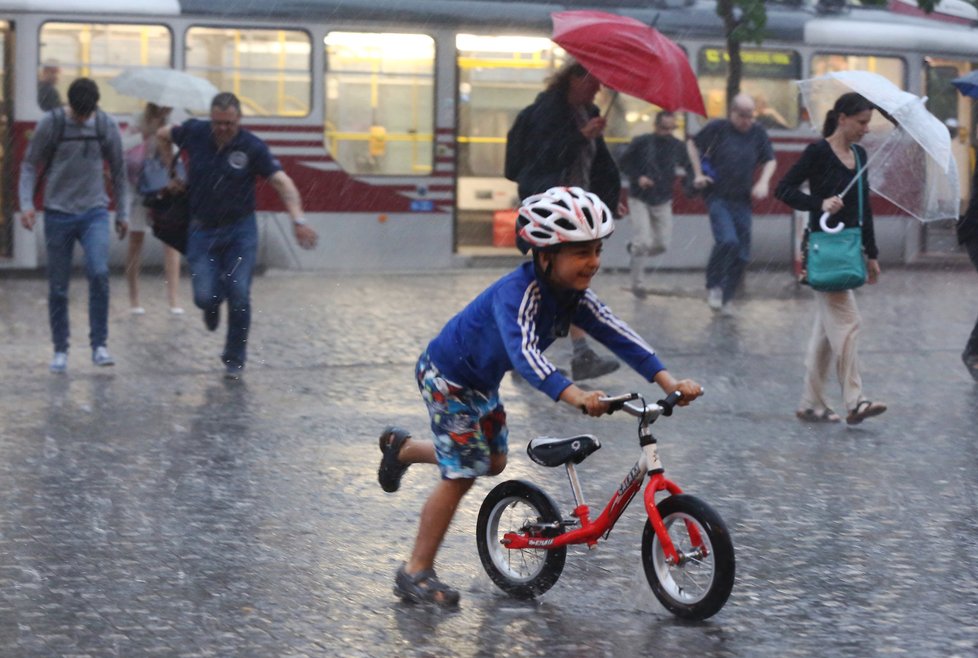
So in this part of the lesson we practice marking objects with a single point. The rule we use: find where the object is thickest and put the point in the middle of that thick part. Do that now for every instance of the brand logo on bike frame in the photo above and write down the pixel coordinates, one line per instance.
(629, 479)
(539, 542)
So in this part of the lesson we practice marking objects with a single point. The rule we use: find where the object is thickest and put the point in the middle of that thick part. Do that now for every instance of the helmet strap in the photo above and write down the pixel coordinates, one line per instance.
(543, 273)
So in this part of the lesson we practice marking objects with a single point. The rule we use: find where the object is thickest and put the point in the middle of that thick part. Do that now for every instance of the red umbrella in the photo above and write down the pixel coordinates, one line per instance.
(631, 57)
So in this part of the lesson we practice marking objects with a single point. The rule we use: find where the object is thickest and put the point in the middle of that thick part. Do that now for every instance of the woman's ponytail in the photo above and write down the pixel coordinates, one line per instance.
(831, 121)
(850, 105)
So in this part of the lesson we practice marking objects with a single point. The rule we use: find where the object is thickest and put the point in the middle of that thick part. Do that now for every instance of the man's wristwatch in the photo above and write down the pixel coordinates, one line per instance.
(299, 221)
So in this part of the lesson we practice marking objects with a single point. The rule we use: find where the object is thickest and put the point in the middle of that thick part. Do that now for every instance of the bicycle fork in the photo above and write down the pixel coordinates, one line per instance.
(659, 482)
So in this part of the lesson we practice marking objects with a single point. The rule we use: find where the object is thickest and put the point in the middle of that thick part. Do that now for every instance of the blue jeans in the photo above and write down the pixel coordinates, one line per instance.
(222, 261)
(731, 225)
(91, 229)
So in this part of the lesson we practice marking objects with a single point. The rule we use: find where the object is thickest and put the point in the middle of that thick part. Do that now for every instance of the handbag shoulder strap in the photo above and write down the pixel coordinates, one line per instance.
(860, 183)
(176, 159)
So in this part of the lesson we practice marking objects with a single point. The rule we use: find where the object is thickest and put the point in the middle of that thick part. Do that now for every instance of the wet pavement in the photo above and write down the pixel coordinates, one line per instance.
(154, 508)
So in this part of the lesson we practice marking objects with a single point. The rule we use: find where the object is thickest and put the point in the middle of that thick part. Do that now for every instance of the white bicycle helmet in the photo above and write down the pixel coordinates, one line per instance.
(559, 215)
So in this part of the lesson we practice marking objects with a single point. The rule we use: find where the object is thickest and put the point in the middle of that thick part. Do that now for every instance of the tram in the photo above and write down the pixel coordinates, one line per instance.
(392, 117)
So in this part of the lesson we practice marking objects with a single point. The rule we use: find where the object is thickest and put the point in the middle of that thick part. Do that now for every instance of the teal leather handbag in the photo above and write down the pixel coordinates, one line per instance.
(834, 261)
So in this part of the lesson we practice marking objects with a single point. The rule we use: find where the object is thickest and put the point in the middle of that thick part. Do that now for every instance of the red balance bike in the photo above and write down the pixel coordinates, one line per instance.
(686, 549)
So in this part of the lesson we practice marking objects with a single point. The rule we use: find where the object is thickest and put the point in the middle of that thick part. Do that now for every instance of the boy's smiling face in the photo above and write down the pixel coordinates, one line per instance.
(574, 264)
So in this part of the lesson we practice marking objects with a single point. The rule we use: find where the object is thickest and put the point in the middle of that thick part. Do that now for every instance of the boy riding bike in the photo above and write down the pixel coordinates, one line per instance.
(508, 326)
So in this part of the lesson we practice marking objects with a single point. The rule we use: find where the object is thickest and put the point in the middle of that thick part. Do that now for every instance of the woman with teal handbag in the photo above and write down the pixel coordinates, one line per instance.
(835, 262)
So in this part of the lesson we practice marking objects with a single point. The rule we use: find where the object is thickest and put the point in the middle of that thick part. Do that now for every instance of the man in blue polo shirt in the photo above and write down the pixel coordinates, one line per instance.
(222, 244)
(733, 148)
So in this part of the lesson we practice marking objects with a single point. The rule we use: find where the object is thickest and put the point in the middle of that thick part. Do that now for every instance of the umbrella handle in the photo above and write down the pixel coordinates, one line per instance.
(825, 227)
(611, 104)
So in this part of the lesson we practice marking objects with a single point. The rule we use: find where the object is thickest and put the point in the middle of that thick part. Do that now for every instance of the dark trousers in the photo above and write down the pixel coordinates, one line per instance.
(731, 225)
(972, 347)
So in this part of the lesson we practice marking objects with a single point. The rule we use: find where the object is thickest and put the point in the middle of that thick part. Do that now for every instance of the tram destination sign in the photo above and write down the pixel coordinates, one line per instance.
(776, 64)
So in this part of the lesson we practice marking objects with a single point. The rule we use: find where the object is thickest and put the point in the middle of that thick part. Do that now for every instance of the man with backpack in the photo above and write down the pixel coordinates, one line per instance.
(69, 147)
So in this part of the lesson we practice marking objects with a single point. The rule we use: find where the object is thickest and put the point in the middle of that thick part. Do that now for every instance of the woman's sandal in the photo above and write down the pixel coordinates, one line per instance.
(391, 468)
(812, 416)
(865, 409)
(424, 587)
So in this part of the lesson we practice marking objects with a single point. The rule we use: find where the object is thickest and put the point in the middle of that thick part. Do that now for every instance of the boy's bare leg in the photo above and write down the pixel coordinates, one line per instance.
(436, 517)
(417, 451)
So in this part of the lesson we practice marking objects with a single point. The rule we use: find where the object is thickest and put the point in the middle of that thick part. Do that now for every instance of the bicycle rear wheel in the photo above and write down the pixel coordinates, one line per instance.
(699, 586)
(521, 508)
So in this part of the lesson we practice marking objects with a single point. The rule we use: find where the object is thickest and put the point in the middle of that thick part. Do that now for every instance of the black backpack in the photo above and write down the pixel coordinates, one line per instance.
(60, 120)
(516, 144)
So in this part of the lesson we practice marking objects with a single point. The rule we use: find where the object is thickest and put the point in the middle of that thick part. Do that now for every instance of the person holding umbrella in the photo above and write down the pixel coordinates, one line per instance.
(562, 145)
(829, 165)
(140, 147)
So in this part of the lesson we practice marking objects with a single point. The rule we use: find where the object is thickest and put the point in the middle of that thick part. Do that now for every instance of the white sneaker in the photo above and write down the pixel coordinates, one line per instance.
(59, 363)
(714, 298)
(137, 310)
(101, 357)
(176, 310)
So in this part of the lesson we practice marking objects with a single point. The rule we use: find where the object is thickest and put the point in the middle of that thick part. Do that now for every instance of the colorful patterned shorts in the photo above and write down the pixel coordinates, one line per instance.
(468, 425)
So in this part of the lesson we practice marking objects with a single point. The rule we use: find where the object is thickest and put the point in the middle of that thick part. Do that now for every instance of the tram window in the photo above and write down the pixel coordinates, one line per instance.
(4, 80)
(768, 77)
(498, 76)
(380, 102)
(268, 70)
(7, 177)
(101, 51)
(891, 68)
(944, 101)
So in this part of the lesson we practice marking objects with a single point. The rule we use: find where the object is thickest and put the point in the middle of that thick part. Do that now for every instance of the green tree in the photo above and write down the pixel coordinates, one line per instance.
(744, 22)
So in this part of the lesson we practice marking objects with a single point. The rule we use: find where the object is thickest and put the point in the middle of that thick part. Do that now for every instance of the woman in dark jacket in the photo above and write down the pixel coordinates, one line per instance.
(829, 165)
(563, 147)
(968, 237)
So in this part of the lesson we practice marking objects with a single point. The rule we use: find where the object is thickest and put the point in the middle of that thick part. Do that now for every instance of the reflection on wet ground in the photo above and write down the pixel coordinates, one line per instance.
(156, 509)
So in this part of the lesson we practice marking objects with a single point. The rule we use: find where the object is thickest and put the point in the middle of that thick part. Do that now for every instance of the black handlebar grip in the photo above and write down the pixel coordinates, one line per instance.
(670, 402)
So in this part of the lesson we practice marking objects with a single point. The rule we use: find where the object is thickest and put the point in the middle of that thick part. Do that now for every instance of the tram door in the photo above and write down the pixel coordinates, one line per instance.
(498, 77)
(956, 111)
(7, 190)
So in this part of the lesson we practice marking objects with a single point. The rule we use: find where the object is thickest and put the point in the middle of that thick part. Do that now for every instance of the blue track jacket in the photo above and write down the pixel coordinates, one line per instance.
(511, 323)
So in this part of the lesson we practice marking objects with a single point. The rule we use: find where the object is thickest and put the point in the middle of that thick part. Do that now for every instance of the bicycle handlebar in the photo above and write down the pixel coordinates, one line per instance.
(662, 407)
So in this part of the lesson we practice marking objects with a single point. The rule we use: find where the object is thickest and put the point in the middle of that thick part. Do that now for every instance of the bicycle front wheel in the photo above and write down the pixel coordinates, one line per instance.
(524, 509)
(700, 584)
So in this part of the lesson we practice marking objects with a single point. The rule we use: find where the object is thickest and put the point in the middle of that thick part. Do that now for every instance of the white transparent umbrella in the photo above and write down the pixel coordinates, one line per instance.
(166, 87)
(910, 153)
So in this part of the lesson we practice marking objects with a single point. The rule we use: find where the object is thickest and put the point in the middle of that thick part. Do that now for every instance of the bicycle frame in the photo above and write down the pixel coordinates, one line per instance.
(591, 531)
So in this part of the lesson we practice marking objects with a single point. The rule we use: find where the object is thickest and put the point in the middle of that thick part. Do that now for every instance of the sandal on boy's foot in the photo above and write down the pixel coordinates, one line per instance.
(391, 468)
(812, 416)
(424, 587)
(865, 409)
